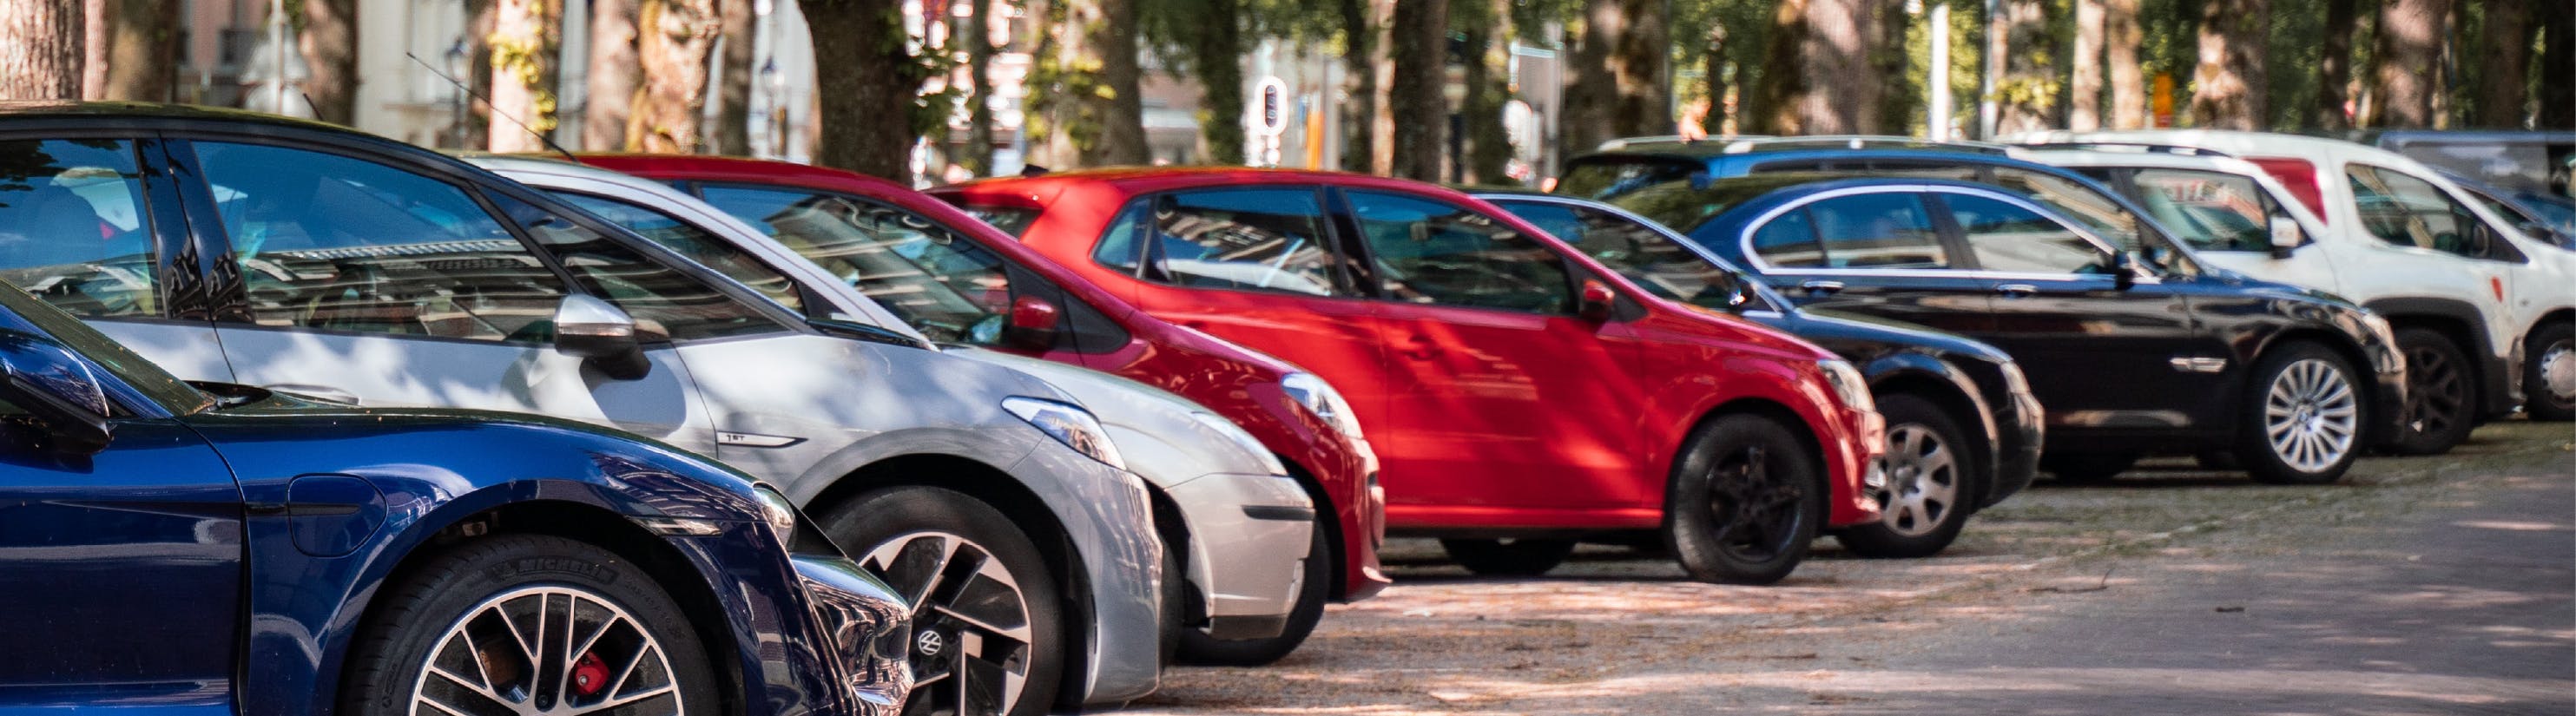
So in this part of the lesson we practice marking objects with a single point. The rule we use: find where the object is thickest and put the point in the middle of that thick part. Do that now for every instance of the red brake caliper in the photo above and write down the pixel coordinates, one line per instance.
(589, 675)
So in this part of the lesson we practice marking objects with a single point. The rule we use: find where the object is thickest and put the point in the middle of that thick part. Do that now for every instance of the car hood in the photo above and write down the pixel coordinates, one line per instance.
(1153, 429)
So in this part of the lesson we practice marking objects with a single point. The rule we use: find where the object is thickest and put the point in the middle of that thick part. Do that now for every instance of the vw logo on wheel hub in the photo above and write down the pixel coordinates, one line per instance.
(928, 643)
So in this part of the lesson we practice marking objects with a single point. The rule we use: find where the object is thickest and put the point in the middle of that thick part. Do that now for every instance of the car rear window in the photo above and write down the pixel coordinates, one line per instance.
(1013, 220)
(1602, 178)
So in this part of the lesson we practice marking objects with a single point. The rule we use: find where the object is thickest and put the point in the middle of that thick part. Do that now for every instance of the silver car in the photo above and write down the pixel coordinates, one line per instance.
(344, 266)
(1242, 525)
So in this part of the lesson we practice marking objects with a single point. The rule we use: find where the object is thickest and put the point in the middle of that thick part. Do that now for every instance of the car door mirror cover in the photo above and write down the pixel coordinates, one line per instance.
(601, 334)
(1597, 303)
(2285, 235)
(1033, 323)
(2124, 270)
(49, 382)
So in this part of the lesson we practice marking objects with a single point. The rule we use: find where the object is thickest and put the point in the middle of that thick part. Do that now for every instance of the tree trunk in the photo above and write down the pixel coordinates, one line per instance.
(1360, 107)
(1486, 24)
(132, 50)
(1089, 79)
(481, 16)
(866, 83)
(2504, 71)
(732, 135)
(1712, 70)
(1779, 100)
(2029, 90)
(1420, 36)
(672, 41)
(2084, 84)
(979, 89)
(2334, 68)
(40, 49)
(612, 80)
(329, 41)
(2408, 57)
(2558, 65)
(1381, 63)
(1642, 63)
(1121, 104)
(1217, 55)
(2121, 38)
(524, 40)
(2228, 87)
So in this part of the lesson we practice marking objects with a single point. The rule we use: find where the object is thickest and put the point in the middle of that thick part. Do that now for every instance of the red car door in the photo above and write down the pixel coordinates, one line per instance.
(1505, 408)
(1258, 267)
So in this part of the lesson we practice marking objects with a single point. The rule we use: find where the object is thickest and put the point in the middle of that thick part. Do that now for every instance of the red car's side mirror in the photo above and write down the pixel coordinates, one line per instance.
(1032, 324)
(1597, 302)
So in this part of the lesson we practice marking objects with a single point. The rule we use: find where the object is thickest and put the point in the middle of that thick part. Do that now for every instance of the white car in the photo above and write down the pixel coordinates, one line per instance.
(1234, 521)
(2485, 311)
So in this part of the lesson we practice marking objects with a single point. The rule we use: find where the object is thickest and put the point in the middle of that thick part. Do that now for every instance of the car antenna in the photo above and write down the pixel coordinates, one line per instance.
(496, 111)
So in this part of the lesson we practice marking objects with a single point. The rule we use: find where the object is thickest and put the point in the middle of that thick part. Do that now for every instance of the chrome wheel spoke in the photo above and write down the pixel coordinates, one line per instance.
(970, 651)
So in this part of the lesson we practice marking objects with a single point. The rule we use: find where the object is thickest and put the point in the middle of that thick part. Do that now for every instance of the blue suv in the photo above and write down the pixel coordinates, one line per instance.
(228, 548)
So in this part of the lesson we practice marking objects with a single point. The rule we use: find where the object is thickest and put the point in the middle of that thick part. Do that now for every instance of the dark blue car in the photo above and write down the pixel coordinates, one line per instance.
(227, 550)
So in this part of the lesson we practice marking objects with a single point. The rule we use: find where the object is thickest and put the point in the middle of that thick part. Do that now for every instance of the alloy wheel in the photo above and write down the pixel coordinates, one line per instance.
(1755, 508)
(970, 621)
(2558, 369)
(2311, 415)
(546, 650)
(1922, 484)
(2436, 392)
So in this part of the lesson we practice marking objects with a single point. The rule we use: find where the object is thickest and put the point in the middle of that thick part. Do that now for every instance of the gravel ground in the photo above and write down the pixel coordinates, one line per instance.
(2419, 585)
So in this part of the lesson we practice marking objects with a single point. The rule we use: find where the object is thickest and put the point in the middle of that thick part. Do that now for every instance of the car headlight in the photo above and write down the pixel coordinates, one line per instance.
(1320, 399)
(1243, 440)
(1069, 424)
(1848, 384)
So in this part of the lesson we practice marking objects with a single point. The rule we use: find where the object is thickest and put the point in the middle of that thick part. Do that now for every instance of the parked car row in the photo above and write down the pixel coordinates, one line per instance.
(1053, 431)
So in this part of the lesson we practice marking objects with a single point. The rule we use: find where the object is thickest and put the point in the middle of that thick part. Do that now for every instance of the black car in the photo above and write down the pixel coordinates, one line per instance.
(1963, 428)
(2131, 356)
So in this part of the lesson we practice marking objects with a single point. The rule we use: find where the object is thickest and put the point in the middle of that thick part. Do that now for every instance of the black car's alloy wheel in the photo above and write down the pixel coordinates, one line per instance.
(1923, 500)
(2441, 400)
(1744, 502)
(528, 624)
(987, 635)
(2304, 417)
(2549, 380)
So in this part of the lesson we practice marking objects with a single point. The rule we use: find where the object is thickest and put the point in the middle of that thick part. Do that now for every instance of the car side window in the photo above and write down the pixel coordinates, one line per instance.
(332, 242)
(2094, 209)
(1644, 256)
(2212, 211)
(1432, 252)
(662, 299)
(687, 240)
(1789, 241)
(1879, 230)
(2012, 239)
(72, 226)
(2407, 211)
(1256, 239)
(940, 283)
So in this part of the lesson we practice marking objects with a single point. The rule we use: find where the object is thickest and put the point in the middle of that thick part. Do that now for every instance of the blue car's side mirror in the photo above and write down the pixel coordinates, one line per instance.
(57, 387)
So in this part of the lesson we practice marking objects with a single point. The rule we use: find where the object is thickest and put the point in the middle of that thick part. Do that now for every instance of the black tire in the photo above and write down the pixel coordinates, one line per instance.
(1508, 557)
(2306, 417)
(1198, 648)
(1933, 481)
(1744, 502)
(2551, 346)
(466, 586)
(2086, 468)
(2441, 394)
(880, 529)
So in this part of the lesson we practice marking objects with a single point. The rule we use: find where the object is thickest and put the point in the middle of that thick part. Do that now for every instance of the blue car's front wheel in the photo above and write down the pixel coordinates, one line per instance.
(528, 624)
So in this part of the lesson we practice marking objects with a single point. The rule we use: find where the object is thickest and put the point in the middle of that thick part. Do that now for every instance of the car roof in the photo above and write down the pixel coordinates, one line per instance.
(1141, 180)
(154, 112)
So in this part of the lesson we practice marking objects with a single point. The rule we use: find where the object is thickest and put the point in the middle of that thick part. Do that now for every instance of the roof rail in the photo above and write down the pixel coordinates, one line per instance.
(1857, 141)
(2120, 146)
(1623, 142)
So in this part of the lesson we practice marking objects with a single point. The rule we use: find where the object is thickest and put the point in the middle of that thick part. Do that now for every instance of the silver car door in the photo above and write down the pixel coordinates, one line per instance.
(386, 287)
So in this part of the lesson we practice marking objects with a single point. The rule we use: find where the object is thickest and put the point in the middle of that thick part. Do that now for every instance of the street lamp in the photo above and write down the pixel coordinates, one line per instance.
(776, 81)
(456, 57)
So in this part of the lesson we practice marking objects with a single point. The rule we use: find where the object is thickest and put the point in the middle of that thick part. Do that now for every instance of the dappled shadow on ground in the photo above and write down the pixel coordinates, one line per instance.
(2426, 586)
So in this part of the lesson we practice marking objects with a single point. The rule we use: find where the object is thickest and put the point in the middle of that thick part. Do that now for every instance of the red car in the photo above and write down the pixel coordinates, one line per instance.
(1521, 397)
(1058, 315)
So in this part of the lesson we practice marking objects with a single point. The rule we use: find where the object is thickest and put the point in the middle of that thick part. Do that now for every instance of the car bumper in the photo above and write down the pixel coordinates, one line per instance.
(2020, 432)
(1110, 521)
(1851, 462)
(1247, 540)
(863, 627)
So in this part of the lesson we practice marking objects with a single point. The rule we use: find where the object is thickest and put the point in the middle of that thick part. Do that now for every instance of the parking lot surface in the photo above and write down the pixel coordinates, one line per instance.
(2437, 585)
